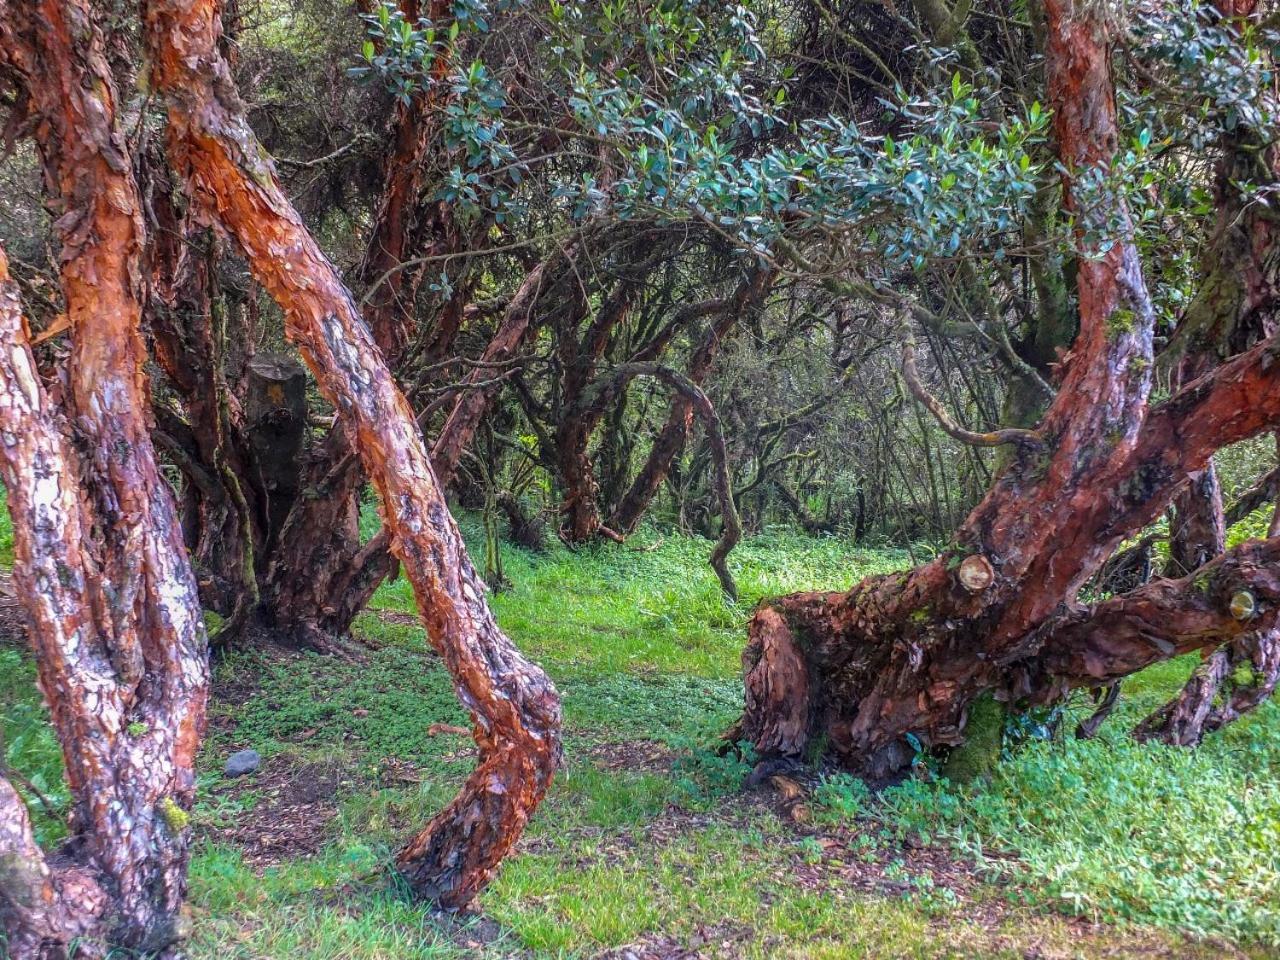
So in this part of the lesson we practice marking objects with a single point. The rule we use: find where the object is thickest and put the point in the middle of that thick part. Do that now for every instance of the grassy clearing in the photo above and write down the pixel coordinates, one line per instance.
(646, 837)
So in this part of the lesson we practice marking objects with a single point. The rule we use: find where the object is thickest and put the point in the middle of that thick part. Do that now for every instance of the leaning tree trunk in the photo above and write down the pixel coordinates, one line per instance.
(110, 601)
(320, 576)
(513, 704)
(731, 532)
(907, 654)
(353, 585)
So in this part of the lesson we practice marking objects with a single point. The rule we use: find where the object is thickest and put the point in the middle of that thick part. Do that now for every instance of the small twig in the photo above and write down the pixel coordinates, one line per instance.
(8, 773)
(438, 728)
(318, 161)
(1106, 699)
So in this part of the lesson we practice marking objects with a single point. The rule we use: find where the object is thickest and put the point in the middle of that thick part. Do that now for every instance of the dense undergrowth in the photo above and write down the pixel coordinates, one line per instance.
(647, 836)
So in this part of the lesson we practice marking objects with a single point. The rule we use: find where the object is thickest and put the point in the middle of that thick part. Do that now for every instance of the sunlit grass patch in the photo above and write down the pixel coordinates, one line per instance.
(652, 603)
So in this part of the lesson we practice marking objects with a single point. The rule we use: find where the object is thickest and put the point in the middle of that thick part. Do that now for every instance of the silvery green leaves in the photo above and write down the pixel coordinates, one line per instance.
(677, 112)
(714, 142)
(1219, 73)
(404, 58)
(396, 53)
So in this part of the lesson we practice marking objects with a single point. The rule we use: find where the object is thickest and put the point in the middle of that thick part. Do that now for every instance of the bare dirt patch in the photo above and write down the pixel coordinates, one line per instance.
(280, 812)
(633, 756)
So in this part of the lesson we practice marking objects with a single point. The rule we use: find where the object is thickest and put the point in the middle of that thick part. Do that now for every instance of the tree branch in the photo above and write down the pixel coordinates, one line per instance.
(703, 406)
(1093, 645)
(931, 403)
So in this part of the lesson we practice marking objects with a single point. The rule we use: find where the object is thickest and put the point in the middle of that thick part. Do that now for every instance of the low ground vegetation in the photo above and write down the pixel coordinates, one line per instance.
(649, 845)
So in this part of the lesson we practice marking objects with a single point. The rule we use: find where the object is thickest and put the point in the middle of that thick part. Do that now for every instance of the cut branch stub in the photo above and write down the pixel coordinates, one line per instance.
(1243, 605)
(976, 573)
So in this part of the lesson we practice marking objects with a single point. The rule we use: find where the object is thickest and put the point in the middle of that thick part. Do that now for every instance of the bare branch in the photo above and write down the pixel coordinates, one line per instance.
(931, 403)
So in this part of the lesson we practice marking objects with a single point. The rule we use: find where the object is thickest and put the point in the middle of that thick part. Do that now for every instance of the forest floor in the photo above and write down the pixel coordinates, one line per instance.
(649, 846)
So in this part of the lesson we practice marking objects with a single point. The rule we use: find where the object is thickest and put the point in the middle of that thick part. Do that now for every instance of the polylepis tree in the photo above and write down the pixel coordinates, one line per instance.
(100, 567)
(513, 704)
(894, 664)
(116, 623)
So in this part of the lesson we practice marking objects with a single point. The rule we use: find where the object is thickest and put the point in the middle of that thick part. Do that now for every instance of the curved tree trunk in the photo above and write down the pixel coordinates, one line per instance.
(356, 581)
(100, 567)
(670, 440)
(731, 533)
(907, 654)
(318, 575)
(513, 704)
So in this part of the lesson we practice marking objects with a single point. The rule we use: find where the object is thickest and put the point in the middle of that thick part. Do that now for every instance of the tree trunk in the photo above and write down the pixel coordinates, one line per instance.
(513, 704)
(1198, 530)
(907, 654)
(670, 440)
(321, 577)
(110, 601)
(275, 412)
(731, 532)
(1232, 309)
(576, 416)
(223, 519)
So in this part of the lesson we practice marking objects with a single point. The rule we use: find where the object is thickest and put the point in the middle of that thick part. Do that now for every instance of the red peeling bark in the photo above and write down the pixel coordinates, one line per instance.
(100, 567)
(899, 658)
(320, 576)
(325, 578)
(1234, 306)
(515, 708)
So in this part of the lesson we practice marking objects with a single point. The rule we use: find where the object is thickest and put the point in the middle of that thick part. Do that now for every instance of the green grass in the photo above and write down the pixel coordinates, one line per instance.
(645, 651)
(653, 605)
(27, 743)
(1109, 828)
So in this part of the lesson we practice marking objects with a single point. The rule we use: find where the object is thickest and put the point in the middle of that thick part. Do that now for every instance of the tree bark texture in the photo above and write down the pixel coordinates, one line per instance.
(515, 708)
(100, 566)
(906, 654)
(221, 519)
(320, 575)
(351, 586)
(1233, 308)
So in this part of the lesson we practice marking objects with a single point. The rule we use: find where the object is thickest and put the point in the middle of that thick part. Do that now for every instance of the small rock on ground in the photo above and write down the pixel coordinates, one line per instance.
(242, 762)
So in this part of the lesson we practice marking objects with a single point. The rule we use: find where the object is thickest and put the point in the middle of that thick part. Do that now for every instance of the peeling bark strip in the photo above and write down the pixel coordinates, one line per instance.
(513, 704)
(908, 653)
